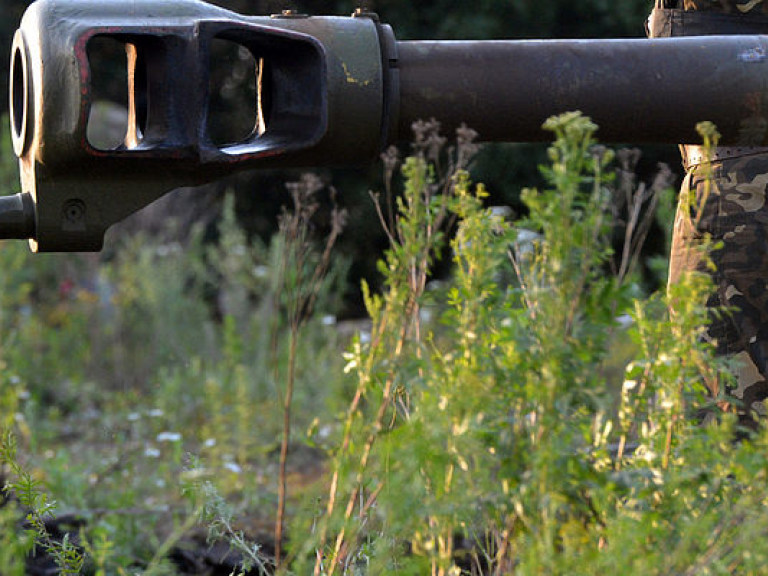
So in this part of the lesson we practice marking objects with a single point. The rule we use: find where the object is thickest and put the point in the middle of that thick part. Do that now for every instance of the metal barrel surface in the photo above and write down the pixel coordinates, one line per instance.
(636, 90)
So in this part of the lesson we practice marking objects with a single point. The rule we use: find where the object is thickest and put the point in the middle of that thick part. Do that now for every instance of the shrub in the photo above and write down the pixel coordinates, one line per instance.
(490, 442)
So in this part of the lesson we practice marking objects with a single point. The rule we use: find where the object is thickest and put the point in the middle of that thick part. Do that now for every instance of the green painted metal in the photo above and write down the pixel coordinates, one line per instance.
(325, 106)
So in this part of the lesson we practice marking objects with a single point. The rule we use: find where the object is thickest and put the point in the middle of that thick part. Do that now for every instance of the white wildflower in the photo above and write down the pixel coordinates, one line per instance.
(194, 473)
(501, 211)
(352, 361)
(169, 437)
(329, 320)
(630, 384)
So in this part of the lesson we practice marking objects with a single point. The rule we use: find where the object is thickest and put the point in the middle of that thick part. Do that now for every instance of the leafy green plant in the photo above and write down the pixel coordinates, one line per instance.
(14, 546)
(218, 516)
(32, 498)
(490, 442)
(395, 337)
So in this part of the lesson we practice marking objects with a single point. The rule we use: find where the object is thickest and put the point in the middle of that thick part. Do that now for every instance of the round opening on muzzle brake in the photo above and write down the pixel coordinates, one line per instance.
(18, 99)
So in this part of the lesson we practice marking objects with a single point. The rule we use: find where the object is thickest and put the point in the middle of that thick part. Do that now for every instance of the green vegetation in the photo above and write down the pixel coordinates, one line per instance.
(501, 421)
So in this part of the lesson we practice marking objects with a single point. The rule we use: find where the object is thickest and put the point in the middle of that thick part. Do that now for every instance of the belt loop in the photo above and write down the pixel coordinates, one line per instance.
(693, 155)
(661, 22)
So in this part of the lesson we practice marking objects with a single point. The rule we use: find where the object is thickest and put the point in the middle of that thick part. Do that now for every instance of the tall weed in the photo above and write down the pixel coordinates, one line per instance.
(490, 442)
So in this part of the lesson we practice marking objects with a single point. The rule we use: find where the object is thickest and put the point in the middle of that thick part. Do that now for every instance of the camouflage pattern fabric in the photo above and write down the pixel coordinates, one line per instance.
(733, 211)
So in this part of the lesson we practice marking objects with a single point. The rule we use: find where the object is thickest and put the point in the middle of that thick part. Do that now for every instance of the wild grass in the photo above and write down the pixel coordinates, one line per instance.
(170, 395)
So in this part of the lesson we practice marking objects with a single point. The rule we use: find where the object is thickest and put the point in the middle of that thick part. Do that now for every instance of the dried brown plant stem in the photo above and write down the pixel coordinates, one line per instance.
(302, 295)
(384, 404)
(428, 145)
(282, 488)
(380, 329)
(640, 203)
(417, 282)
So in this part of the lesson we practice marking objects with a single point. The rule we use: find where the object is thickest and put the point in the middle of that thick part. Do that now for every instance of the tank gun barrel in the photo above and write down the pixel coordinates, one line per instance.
(636, 90)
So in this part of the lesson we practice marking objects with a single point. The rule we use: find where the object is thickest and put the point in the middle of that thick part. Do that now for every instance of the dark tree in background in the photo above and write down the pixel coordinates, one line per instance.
(503, 168)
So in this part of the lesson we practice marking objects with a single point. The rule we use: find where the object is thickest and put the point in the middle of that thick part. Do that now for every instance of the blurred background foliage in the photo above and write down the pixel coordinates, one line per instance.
(502, 167)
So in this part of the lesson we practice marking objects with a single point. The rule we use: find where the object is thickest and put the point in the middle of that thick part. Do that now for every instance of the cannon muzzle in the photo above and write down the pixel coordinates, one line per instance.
(319, 100)
(327, 91)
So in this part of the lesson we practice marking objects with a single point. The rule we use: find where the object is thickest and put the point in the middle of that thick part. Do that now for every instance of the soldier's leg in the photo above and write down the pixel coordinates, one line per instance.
(735, 214)
(731, 209)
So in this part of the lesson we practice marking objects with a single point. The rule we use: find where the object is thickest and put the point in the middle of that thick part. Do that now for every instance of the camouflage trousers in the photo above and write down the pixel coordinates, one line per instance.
(735, 215)
(733, 211)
